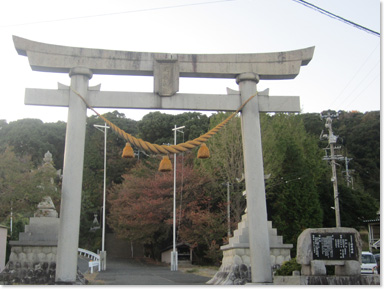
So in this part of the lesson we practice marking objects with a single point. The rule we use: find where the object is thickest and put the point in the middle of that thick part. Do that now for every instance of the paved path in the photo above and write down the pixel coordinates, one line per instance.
(83, 264)
(137, 272)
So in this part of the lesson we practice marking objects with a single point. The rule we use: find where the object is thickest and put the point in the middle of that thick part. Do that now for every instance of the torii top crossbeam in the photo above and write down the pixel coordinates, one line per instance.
(268, 66)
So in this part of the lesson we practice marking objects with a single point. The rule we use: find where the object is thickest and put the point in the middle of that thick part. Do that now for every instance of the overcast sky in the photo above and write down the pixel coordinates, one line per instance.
(343, 75)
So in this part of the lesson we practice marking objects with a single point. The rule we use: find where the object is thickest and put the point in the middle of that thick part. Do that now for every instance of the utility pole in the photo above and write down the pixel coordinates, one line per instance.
(329, 116)
(137, 153)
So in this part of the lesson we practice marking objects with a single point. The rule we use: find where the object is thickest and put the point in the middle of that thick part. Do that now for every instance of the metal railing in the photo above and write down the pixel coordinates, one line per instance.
(94, 259)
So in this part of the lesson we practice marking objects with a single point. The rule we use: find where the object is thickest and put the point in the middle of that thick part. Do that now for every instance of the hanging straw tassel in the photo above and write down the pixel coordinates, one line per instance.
(203, 152)
(165, 164)
(128, 152)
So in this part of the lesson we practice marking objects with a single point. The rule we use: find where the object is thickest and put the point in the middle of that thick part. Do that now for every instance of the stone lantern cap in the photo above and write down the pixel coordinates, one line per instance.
(46, 208)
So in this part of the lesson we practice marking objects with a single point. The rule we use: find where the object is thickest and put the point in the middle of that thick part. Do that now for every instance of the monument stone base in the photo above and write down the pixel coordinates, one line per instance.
(32, 260)
(235, 268)
(30, 265)
(327, 280)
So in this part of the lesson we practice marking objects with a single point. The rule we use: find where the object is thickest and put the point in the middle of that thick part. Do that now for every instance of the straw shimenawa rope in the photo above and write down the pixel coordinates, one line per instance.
(166, 149)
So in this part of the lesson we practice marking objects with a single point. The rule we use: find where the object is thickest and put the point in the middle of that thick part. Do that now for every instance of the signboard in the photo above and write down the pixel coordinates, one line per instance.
(334, 246)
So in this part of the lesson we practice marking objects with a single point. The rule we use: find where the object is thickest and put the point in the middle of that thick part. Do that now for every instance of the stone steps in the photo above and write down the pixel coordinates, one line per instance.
(241, 235)
(235, 268)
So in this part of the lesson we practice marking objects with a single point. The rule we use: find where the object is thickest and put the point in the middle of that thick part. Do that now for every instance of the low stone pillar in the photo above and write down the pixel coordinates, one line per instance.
(3, 246)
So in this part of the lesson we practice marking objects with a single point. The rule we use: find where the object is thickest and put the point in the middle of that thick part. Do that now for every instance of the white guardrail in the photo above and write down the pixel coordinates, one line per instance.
(94, 259)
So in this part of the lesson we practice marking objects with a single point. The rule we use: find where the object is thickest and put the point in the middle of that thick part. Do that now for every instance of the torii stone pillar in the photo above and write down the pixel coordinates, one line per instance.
(255, 183)
(81, 63)
(68, 238)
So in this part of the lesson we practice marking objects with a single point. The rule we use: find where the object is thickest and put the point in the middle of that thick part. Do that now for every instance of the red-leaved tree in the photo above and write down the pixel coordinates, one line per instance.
(141, 208)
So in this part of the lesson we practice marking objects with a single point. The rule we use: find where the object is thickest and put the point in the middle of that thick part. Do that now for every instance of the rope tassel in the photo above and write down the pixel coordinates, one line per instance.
(165, 164)
(128, 152)
(203, 152)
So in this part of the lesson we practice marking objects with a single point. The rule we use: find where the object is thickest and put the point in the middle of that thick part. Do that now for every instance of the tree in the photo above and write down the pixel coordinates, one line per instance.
(359, 139)
(356, 206)
(33, 138)
(226, 163)
(360, 136)
(196, 124)
(22, 187)
(294, 162)
(14, 172)
(156, 127)
(93, 171)
(296, 203)
(141, 208)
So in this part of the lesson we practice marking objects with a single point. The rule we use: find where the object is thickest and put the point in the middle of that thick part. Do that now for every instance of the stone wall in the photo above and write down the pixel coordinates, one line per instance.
(29, 255)
(30, 265)
(33, 265)
(278, 256)
(33, 257)
(242, 255)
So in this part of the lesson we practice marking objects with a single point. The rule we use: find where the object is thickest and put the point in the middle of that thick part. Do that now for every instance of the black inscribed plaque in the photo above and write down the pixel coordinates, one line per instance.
(334, 246)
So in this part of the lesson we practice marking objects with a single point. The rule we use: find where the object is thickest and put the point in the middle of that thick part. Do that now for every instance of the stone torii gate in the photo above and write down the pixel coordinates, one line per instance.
(82, 63)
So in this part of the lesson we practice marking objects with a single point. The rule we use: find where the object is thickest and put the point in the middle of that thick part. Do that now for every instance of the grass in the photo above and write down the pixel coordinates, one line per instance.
(92, 279)
(194, 270)
(205, 271)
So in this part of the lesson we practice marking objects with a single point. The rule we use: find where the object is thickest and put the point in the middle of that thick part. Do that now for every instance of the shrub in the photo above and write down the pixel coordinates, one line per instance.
(288, 267)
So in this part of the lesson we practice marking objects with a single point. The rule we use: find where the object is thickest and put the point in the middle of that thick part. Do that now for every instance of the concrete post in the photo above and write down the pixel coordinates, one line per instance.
(255, 184)
(3, 246)
(66, 268)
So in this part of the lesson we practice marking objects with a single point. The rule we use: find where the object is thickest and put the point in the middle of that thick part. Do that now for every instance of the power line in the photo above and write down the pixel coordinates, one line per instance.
(359, 84)
(359, 69)
(363, 90)
(117, 13)
(327, 13)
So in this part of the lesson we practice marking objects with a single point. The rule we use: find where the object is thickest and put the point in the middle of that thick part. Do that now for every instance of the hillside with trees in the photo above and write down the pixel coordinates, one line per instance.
(139, 200)
(359, 136)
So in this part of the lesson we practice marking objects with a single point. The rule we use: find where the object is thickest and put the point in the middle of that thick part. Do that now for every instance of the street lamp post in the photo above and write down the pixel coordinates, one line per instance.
(103, 254)
(228, 211)
(174, 253)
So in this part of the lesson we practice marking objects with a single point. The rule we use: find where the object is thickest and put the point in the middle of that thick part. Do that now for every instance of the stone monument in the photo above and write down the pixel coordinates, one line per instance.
(339, 247)
(82, 63)
(33, 257)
